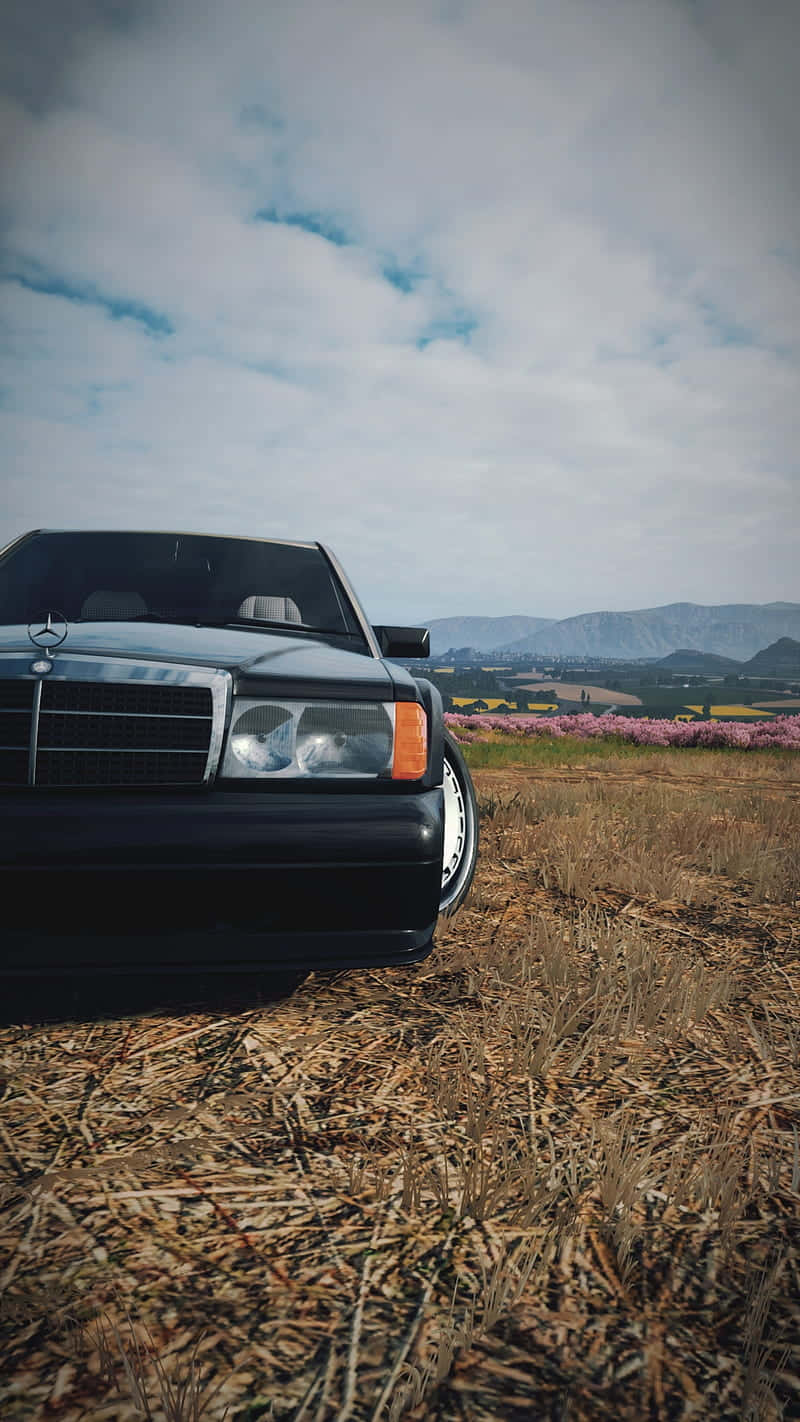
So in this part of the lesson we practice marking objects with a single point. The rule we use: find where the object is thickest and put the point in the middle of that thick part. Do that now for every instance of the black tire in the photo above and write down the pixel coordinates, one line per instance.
(461, 828)
(274, 987)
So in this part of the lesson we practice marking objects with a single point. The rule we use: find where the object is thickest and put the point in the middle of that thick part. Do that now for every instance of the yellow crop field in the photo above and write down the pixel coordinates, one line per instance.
(492, 702)
(738, 711)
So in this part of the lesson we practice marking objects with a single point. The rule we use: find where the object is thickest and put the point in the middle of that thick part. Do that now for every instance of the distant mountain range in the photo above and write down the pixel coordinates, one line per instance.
(734, 630)
(483, 633)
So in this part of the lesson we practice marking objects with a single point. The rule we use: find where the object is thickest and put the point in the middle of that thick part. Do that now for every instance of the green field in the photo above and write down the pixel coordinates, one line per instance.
(546, 751)
(678, 696)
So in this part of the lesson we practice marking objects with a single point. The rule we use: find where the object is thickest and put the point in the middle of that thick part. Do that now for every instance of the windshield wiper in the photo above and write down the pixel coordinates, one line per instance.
(146, 617)
(257, 622)
(283, 626)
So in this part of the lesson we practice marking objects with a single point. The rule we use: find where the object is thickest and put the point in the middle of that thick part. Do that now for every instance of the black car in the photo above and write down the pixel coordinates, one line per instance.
(209, 761)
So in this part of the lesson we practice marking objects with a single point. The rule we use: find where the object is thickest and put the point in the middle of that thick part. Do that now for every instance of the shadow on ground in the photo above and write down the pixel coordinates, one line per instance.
(59, 998)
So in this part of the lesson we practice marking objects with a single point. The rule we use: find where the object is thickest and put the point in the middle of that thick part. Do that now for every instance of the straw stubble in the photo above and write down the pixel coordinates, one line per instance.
(554, 1167)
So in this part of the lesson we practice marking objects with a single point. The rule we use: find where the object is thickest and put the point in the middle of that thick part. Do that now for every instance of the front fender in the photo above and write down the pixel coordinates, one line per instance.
(432, 701)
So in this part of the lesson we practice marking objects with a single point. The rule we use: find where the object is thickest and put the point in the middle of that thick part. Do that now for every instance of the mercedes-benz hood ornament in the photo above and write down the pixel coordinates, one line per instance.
(52, 634)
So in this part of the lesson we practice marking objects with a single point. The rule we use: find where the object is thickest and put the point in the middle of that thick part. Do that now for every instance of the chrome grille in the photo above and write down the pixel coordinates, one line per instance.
(107, 731)
(131, 698)
(16, 713)
(92, 733)
(118, 768)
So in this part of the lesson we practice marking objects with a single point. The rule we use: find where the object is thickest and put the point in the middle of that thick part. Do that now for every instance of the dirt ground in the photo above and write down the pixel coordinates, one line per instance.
(551, 1172)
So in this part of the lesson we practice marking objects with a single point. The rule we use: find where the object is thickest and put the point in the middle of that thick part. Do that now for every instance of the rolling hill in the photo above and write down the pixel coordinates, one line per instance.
(781, 659)
(688, 659)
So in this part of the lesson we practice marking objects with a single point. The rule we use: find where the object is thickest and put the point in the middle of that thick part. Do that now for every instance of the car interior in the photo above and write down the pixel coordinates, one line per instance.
(118, 603)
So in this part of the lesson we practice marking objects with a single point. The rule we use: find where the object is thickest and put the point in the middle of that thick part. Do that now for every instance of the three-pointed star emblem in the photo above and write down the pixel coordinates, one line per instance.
(51, 634)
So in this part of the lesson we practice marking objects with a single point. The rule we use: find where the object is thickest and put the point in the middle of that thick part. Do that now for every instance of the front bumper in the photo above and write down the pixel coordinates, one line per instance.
(217, 881)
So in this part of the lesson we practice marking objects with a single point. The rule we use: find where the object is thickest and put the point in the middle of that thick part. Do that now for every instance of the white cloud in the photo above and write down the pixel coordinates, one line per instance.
(603, 205)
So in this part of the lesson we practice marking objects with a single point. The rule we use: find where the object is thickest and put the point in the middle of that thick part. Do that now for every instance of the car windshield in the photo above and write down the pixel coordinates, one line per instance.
(186, 577)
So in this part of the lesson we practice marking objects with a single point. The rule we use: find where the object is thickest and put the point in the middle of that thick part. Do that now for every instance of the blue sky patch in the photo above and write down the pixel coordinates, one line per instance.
(659, 344)
(276, 370)
(98, 393)
(404, 278)
(726, 332)
(787, 254)
(314, 222)
(450, 328)
(451, 12)
(84, 294)
(258, 116)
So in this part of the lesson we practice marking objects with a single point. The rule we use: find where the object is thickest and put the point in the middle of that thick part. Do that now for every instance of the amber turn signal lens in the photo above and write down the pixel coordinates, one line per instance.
(410, 741)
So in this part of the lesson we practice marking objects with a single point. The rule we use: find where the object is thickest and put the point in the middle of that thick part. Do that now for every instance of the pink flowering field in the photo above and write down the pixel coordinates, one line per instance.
(779, 733)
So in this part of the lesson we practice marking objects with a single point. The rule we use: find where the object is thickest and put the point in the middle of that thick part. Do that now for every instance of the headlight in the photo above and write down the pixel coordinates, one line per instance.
(341, 739)
(261, 739)
(299, 739)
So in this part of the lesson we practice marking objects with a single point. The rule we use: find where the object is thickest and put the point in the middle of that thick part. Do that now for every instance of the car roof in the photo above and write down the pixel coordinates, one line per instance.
(180, 533)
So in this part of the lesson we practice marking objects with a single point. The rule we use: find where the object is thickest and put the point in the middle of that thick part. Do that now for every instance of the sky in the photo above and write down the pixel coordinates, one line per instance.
(499, 301)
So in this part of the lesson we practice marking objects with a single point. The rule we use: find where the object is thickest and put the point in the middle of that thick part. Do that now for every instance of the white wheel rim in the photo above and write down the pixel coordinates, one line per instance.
(455, 825)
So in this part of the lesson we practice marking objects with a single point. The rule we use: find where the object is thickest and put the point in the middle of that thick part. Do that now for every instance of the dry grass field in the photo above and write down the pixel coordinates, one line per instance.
(553, 1172)
(571, 691)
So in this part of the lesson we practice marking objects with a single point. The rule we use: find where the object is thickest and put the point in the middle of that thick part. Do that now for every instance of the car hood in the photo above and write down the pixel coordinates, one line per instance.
(251, 656)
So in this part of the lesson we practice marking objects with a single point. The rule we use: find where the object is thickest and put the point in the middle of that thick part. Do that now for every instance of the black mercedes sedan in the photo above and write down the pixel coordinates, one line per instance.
(210, 762)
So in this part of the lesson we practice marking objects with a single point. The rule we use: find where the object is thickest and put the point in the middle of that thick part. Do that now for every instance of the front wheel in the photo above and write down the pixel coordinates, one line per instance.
(460, 828)
(274, 987)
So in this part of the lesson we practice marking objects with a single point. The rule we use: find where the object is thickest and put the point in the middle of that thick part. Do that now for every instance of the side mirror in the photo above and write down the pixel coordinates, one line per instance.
(409, 642)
